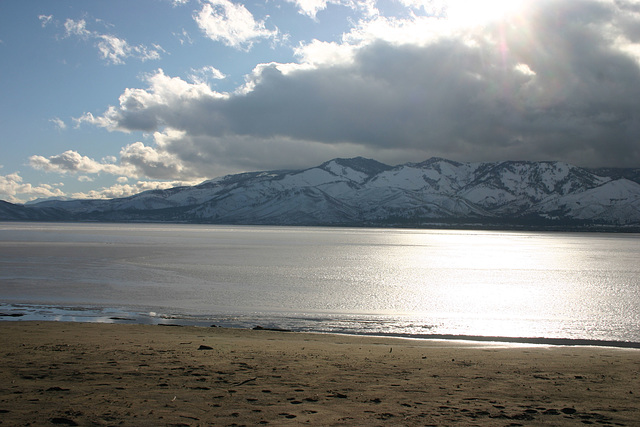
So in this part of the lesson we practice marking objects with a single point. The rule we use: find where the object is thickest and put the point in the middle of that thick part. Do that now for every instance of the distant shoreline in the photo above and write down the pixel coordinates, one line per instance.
(578, 227)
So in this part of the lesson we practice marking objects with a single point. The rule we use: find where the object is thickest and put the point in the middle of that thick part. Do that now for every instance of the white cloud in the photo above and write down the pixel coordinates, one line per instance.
(164, 94)
(136, 160)
(204, 74)
(115, 50)
(419, 30)
(45, 19)
(14, 190)
(524, 69)
(100, 121)
(318, 53)
(312, 7)
(231, 24)
(76, 28)
(151, 162)
(59, 123)
(73, 162)
(112, 49)
(183, 37)
(126, 190)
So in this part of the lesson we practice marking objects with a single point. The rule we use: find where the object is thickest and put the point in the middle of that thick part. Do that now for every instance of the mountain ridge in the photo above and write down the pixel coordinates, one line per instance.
(364, 192)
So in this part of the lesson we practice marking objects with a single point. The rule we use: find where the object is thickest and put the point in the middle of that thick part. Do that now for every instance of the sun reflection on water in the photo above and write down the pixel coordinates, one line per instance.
(497, 284)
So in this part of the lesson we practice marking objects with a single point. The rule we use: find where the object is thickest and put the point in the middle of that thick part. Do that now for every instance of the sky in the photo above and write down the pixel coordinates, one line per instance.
(108, 99)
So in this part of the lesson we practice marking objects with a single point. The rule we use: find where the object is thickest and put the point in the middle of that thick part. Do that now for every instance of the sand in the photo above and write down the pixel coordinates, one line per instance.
(136, 375)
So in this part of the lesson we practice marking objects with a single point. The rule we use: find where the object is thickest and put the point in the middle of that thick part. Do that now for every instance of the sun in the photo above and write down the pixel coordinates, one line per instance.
(480, 12)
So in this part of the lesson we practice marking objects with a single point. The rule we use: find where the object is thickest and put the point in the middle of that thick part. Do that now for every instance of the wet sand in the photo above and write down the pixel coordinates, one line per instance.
(55, 373)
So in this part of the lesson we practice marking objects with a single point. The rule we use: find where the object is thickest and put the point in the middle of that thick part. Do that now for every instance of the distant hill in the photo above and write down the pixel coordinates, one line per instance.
(365, 192)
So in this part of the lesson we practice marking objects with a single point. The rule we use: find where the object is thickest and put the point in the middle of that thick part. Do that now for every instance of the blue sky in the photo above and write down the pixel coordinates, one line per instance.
(107, 99)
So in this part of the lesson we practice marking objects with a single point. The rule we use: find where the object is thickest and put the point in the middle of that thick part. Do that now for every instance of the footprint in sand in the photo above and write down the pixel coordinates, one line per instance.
(286, 415)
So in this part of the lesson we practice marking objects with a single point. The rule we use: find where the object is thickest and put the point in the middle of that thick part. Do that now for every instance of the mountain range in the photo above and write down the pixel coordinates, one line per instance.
(365, 192)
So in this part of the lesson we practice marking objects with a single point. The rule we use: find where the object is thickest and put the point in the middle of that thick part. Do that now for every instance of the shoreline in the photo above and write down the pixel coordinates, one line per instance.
(11, 314)
(541, 225)
(567, 342)
(77, 373)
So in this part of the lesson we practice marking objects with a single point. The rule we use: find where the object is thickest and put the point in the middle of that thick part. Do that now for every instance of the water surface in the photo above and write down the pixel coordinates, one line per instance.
(396, 281)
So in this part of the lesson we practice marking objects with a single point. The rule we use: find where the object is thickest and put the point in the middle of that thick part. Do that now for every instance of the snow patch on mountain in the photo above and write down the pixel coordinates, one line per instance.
(362, 191)
(616, 201)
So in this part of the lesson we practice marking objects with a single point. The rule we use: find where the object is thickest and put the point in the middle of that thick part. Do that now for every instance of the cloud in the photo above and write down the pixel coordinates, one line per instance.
(14, 190)
(183, 37)
(151, 162)
(100, 121)
(126, 190)
(136, 160)
(204, 74)
(553, 80)
(76, 28)
(73, 162)
(231, 24)
(206, 156)
(312, 7)
(12, 185)
(148, 110)
(59, 123)
(322, 54)
(115, 50)
(112, 49)
(45, 19)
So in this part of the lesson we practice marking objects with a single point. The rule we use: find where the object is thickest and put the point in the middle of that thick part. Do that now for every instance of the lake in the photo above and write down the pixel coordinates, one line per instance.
(405, 282)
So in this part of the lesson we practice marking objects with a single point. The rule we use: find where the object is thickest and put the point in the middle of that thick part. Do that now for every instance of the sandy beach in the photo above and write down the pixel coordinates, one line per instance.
(55, 373)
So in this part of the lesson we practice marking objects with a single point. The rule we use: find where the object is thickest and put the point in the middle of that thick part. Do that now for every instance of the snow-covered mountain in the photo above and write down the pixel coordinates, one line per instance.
(362, 191)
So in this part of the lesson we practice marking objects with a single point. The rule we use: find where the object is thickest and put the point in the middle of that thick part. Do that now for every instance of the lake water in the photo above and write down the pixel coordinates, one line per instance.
(578, 286)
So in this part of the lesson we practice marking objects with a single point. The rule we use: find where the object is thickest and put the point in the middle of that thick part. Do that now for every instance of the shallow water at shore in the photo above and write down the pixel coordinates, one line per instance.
(574, 286)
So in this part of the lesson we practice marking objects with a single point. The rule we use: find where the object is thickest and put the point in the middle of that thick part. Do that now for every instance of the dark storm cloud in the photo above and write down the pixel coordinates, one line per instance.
(561, 81)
